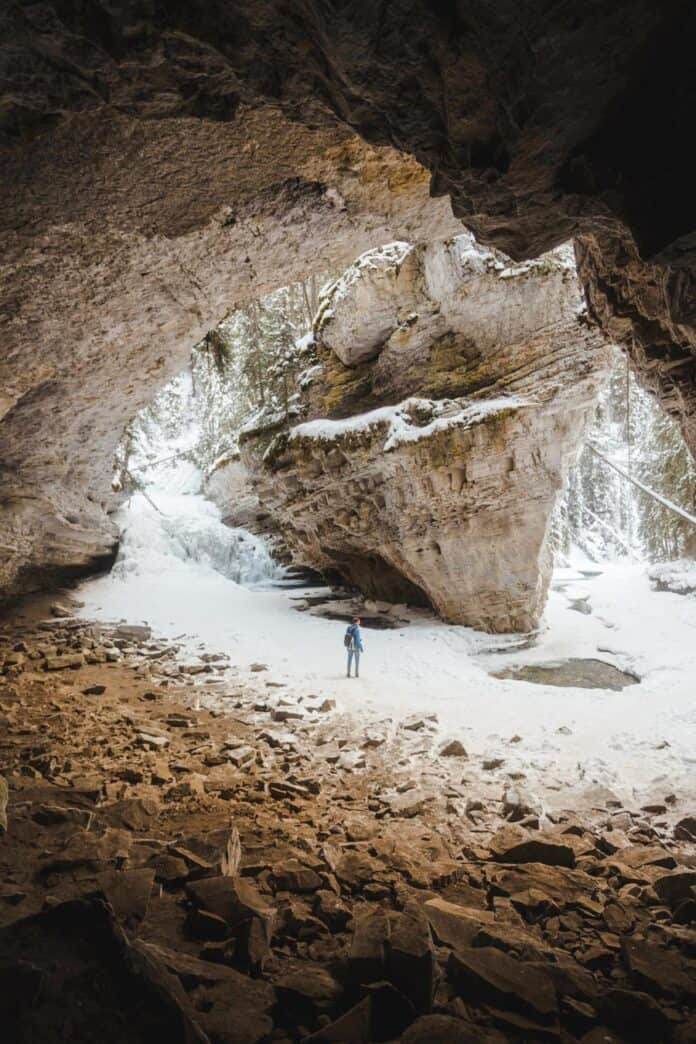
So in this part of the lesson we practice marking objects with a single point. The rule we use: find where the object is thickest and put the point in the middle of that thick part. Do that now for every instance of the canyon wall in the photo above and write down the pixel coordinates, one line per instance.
(445, 393)
(104, 300)
(162, 165)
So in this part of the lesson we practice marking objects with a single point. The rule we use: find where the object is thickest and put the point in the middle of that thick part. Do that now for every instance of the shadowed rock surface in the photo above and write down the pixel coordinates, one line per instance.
(161, 166)
(443, 498)
(349, 881)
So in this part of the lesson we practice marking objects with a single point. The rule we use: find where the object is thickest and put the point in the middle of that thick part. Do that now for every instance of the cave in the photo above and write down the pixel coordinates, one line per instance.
(207, 833)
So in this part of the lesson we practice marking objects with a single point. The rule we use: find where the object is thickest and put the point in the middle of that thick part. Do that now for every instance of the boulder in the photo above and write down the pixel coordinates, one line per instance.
(330, 909)
(453, 749)
(72, 965)
(67, 661)
(307, 989)
(510, 845)
(237, 1008)
(211, 853)
(673, 888)
(636, 1015)
(685, 829)
(128, 892)
(411, 965)
(455, 925)
(234, 899)
(659, 971)
(486, 974)
(352, 1028)
(293, 876)
(367, 957)
(456, 412)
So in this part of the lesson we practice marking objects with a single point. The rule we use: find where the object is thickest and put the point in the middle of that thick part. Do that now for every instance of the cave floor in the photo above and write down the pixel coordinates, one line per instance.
(631, 741)
(211, 856)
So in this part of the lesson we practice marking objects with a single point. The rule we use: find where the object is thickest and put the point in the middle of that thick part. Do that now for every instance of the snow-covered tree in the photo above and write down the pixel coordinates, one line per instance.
(601, 511)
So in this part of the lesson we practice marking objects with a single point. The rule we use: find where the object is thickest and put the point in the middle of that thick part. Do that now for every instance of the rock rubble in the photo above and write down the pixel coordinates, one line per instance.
(295, 896)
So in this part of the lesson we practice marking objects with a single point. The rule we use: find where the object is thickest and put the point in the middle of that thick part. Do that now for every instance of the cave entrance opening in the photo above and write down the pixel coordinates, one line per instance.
(254, 375)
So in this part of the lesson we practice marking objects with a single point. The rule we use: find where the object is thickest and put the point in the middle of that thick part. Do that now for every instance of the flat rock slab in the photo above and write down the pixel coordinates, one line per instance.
(659, 971)
(514, 845)
(484, 973)
(574, 673)
(235, 900)
(456, 925)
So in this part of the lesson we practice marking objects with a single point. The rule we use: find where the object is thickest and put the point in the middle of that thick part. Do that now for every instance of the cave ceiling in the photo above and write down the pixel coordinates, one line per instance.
(164, 162)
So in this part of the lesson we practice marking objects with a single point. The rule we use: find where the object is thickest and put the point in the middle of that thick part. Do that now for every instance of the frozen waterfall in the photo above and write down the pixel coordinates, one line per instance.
(175, 527)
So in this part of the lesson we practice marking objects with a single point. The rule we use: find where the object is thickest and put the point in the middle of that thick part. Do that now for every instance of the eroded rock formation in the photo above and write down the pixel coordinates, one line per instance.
(161, 166)
(447, 390)
(105, 308)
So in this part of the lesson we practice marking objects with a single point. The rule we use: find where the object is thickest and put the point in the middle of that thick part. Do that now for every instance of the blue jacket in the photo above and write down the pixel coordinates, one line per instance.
(354, 630)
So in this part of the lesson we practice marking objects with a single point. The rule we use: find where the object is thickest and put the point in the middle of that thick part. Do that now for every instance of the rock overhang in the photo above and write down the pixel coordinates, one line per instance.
(453, 492)
(156, 168)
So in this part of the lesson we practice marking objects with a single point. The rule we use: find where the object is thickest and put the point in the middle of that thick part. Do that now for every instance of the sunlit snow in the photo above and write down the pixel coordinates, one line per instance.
(184, 572)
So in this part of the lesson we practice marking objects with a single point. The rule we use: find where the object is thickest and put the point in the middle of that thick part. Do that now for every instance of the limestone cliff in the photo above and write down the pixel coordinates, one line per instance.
(448, 390)
(163, 163)
(108, 304)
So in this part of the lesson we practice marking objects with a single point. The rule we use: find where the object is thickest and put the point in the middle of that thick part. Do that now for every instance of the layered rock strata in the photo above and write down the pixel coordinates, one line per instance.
(447, 391)
(161, 166)
(103, 307)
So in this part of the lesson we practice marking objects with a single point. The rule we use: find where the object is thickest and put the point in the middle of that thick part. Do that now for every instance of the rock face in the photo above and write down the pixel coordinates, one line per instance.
(447, 391)
(105, 311)
(160, 167)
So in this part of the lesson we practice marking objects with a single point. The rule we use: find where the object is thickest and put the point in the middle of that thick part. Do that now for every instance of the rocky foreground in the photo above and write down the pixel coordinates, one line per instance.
(184, 859)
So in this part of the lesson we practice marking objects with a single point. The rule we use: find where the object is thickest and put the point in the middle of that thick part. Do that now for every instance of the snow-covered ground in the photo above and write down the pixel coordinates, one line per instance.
(640, 742)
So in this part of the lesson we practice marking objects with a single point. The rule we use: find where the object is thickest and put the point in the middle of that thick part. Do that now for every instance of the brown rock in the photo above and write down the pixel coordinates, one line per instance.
(128, 892)
(685, 829)
(510, 845)
(455, 925)
(636, 1015)
(494, 977)
(307, 989)
(293, 876)
(213, 852)
(132, 813)
(659, 971)
(390, 1011)
(411, 965)
(59, 663)
(233, 899)
(675, 887)
(200, 924)
(331, 910)
(168, 869)
(91, 977)
(354, 869)
(453, 749)
(442, 1029)
(352, 1028)
(238, 1007)
(367, 958)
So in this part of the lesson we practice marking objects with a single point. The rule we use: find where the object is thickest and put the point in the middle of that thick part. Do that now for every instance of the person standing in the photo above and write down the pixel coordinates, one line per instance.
(354, 645)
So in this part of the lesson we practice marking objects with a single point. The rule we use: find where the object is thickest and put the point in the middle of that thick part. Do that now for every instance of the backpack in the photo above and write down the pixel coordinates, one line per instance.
(348, 638)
